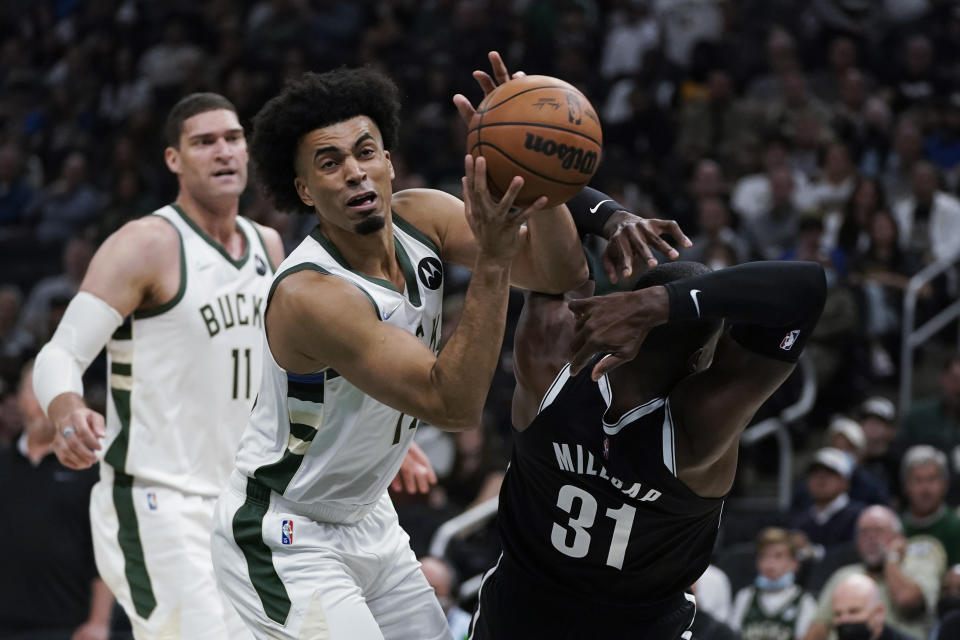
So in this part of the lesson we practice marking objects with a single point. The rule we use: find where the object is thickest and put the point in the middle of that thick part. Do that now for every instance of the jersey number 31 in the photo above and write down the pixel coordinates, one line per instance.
(580, 546)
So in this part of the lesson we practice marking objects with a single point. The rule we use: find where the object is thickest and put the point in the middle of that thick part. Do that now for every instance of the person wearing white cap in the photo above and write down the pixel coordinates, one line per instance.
(848, 436)
(832, 518)
(878, 419)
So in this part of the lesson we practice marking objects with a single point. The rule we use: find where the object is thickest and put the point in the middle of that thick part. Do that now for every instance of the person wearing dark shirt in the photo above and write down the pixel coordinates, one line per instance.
(50, 589)
(832, 519)
(610, 506)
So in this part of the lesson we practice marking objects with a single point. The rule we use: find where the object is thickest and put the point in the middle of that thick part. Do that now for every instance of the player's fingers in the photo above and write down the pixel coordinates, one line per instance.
(582, 356)
(84, 435)
(625, 256)
(500, 72)
(464, 108)
(513, 190)
(671, 228)
(396, 484)
(423, 484)
(97, 426)
(639, 246)
(521, 215)
(652, 236)
(607, 363)
(485, 81)
(612, 259)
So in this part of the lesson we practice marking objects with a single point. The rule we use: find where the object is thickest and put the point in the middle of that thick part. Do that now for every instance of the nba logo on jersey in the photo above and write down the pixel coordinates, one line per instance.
(286, 532)
(152, 501)
(789, 339)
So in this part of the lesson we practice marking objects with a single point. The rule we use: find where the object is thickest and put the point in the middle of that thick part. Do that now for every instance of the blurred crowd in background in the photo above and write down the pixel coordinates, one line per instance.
(824, 130)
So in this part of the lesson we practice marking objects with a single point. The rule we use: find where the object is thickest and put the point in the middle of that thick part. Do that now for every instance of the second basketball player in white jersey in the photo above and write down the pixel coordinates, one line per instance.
(306, 541)
(178, 298)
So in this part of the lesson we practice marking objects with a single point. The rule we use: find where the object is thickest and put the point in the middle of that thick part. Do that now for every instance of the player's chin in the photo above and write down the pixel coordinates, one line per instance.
(371, 223)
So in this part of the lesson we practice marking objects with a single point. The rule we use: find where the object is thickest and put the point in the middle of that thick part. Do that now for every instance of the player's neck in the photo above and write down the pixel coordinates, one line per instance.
(218, 218)
(636, 383)
(372, 254)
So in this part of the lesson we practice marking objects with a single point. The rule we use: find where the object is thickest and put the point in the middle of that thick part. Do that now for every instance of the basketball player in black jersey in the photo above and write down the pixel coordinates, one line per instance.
(611, 504)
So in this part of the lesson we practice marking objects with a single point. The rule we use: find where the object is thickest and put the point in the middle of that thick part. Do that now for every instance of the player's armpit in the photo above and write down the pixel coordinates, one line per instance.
(711, 408)
(315, 321)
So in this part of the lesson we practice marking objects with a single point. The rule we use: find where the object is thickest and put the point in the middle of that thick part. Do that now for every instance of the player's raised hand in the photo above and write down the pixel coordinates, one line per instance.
(416, 475)
(495, 223)
(78, 438)
(615, 324)
(631, 238)
(487, 82)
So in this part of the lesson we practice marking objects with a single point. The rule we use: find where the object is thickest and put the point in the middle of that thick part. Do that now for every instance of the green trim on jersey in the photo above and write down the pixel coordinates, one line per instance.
(411, 230)
(116, 455)
(128, 535)
(121, 369)
(155, 311)
(213, 243)
(309, 266)
(248, 534)
(277, 476)
(266, 252)
(124, 331)
(409, 275)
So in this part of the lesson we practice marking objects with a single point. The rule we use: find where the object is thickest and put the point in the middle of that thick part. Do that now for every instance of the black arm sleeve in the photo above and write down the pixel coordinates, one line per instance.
(591, 209)
(773, 306)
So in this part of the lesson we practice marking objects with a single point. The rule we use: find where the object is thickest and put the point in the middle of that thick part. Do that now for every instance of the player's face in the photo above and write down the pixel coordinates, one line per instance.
(775, 560)
(212, 159)
(345, 174)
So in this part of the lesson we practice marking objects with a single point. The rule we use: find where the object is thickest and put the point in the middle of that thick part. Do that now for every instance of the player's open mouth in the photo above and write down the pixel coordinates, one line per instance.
(224, 172)
(363, 201)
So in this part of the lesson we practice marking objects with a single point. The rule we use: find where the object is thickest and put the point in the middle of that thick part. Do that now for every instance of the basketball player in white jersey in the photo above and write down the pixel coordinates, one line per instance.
(306, 542)
(178, 298)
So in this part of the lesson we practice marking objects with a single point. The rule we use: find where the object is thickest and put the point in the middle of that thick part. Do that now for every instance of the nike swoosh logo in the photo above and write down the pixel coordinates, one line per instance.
(387, 315)
(696, 303)
(594, 208)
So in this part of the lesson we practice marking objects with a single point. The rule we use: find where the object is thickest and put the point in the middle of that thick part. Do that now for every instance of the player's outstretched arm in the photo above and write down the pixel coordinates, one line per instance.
(315, 321)
(126, 270)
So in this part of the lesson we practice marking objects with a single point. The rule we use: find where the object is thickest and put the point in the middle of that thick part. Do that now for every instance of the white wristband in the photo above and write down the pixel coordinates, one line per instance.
(86, 326)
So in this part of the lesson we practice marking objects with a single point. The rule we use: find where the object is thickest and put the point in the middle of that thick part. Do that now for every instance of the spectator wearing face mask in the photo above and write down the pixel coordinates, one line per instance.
(859, 612)
(774, 607)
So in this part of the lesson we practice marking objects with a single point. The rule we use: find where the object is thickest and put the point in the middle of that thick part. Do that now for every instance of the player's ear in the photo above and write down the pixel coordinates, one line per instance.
(393, 174)
(171, 157)
(302, 191)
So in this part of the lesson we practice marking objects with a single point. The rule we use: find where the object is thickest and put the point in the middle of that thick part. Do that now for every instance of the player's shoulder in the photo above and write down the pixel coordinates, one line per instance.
(271, 240)
(145, 241)
(429, 210)
(301, 287)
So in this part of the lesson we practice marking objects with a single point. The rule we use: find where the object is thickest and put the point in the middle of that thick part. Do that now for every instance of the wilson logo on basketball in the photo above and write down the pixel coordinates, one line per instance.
(570, 157)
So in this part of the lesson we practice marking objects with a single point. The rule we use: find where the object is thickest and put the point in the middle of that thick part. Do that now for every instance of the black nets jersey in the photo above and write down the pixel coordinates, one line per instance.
(593, 508)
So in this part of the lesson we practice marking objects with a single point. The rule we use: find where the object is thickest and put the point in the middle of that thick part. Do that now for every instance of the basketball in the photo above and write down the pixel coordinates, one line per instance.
(541, 129)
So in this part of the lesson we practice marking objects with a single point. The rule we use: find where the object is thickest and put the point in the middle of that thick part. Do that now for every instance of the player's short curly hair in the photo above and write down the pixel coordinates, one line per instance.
(314, 101)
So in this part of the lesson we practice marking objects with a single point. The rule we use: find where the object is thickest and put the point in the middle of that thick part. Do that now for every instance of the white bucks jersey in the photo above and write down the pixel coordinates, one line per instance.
(317, 439)
(183, 377)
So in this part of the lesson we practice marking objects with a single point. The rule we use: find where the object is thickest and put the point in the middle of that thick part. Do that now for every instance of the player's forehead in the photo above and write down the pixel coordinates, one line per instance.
(213, 122)
(342, 135)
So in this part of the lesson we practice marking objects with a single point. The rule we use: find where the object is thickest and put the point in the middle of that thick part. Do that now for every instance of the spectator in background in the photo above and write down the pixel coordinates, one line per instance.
(929, 219)
(925, 482)
(833, 188)
(907, 152)
(936, 421)
(810, 246)
(948, 606)
(126, 91)
(752, 194)
(443, 578)
(878, 417)
(883, 272)
(842, 57)
(15, 192)
(15, 340)
(907, 574)
(917, 82)
(50, 589)
(943, 145)
(716, 125)
(781, 58)
(632, 31)
(169, 63)
(772, 233)
(706, 181)
(713, 589)
(847, 436)
(774, 607)
(714, 223)
(853, 236)
(77, 253)
(67, 205)
(859, 612)
(832, 517)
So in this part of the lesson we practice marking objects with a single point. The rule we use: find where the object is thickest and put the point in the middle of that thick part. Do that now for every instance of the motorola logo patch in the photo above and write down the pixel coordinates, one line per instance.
(430, 272)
